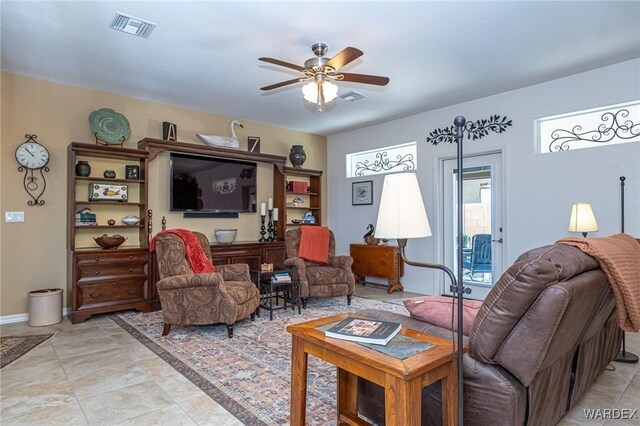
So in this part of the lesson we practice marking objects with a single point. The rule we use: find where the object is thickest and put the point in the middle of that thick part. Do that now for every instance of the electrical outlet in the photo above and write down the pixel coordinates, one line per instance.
(14, 216)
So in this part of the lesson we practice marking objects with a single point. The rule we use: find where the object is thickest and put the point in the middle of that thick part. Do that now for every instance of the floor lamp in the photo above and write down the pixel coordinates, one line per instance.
(624, 355)
(402, 215)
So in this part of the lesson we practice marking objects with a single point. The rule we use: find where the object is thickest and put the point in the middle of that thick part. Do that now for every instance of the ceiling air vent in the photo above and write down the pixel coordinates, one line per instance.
(131, 25)
(352, 96)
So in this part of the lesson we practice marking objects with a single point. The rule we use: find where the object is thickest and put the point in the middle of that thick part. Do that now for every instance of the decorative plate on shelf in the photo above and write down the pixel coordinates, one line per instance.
(110, 126)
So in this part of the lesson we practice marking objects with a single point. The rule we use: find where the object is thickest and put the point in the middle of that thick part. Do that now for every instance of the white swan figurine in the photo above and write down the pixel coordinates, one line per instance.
(223, 141)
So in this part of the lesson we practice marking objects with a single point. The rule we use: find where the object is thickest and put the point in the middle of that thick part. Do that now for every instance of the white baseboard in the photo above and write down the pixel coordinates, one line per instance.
(10, 319)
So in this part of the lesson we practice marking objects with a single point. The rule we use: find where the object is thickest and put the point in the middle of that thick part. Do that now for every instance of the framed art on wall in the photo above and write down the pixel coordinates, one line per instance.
(362, 193)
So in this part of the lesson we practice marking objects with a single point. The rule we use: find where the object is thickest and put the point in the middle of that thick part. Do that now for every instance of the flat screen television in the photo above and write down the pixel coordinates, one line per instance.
(215, 185)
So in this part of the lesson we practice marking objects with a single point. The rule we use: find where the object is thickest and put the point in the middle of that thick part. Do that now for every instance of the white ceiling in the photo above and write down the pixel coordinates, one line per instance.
(204, 55)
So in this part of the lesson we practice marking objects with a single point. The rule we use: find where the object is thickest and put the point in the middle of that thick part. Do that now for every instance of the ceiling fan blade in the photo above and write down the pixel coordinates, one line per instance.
(364, 78)
(282, 63)
(348, 54)
(282, 83)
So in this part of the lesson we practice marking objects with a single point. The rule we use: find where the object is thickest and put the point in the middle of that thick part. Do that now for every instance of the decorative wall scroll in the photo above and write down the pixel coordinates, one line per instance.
(474, 129)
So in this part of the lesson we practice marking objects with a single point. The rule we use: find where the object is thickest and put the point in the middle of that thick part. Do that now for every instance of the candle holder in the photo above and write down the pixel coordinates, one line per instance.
(275, 230)
(262, 232)
(270, 228)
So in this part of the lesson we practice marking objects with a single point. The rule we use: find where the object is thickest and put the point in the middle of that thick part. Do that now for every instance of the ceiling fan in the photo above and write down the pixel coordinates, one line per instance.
(319, 71)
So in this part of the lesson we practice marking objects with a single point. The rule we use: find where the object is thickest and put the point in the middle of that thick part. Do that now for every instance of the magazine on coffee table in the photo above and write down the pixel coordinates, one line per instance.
(365, 331)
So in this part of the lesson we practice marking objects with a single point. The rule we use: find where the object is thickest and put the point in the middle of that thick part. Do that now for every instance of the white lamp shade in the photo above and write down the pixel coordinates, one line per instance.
(402, 213)
(582, 218)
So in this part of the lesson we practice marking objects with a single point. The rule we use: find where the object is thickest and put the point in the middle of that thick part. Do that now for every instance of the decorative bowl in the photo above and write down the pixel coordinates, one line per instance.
(110, 242)
(131, 220)
(225, 236)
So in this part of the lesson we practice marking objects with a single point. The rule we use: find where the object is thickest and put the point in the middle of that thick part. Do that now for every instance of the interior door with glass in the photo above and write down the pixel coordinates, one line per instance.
(482, 221)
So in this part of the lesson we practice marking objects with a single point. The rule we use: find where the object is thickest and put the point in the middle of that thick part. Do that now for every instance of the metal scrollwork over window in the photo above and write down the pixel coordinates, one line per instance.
(383, 163)
(614, 125)
(603, 126)
(402, 157)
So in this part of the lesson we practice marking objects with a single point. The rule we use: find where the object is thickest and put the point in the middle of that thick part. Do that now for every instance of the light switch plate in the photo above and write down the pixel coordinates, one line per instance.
(14, 216)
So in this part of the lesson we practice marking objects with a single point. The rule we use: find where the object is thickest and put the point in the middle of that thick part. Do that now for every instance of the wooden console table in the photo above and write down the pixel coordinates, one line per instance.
(402, 379)
(377, 261)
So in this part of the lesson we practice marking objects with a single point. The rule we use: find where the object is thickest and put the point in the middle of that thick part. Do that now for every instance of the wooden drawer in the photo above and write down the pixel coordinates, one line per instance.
(110, 270)
(100, 258)
(110, 292)
(234, 250)
(249, 253)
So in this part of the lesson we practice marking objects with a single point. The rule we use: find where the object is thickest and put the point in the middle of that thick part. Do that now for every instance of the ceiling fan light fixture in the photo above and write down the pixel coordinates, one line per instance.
(310, 92)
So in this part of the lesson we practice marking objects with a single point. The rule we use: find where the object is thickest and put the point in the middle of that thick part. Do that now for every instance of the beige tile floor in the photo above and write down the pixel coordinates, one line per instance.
(96, 373)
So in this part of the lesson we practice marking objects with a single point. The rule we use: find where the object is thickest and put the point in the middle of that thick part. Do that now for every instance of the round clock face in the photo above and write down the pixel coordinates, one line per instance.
(32, 155)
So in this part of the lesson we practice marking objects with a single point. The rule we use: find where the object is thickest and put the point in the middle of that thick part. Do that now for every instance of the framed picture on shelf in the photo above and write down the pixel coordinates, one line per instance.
(362, 193)
(132, 172)
(107, 192)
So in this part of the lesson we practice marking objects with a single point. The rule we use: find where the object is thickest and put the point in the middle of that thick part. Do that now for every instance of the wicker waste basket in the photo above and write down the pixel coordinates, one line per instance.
(45, 307)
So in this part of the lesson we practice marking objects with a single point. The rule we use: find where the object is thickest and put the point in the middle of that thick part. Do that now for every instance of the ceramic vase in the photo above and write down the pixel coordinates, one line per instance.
(109, 174)
(297, 156)
(83, 169)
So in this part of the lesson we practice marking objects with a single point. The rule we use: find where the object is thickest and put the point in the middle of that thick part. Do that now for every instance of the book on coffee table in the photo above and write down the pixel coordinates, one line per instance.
(363, 330)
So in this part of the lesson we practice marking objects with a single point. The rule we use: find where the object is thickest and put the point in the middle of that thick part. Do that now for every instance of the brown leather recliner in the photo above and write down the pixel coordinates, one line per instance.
(320, 280)
(544, 333)
(225, 296)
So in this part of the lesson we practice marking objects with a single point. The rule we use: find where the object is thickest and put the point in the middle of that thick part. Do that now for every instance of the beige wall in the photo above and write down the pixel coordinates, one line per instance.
(33, 254)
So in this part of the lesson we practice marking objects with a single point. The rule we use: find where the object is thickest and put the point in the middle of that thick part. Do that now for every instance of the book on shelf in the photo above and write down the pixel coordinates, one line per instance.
(365, 331)
(282, 277)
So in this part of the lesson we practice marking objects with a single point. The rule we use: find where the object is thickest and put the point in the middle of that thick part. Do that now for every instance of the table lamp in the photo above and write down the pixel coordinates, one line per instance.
(582, 219)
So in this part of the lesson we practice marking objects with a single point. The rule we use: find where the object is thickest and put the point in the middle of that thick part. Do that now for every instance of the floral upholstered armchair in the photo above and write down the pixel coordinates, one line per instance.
(224, 296)
(316, 279)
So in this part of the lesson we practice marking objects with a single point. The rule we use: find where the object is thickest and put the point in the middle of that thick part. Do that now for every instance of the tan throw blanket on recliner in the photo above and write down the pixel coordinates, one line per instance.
(619, 258)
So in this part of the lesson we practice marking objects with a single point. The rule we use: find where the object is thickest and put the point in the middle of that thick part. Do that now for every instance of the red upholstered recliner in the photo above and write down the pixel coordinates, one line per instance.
(225, 296)
(316, 279)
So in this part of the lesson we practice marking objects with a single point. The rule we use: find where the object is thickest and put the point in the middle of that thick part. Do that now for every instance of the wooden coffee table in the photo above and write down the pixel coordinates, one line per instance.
(402, 379)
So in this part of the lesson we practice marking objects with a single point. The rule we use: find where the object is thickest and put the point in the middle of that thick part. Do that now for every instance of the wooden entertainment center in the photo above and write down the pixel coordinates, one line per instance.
(124, 278)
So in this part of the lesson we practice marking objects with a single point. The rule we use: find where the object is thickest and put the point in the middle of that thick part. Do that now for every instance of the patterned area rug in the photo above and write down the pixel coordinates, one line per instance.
(13, 347)
(249, 375)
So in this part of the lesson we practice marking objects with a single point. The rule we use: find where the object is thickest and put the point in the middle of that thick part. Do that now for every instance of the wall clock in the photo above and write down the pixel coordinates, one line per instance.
(33, 158)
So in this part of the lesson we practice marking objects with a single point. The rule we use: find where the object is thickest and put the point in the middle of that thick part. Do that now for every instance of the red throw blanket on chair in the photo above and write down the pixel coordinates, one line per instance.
(198, 261)
(314, 243)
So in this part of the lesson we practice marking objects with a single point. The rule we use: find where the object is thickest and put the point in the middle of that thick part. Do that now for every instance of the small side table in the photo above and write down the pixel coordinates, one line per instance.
(288, 292)
(402, 379)
(377, 261)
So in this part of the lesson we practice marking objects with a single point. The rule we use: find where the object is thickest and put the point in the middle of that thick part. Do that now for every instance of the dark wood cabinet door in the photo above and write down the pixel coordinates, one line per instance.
(274, 253)
(250, 259)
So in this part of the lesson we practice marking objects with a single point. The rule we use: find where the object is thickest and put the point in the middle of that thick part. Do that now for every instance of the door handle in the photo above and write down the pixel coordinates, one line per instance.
(499, 240)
